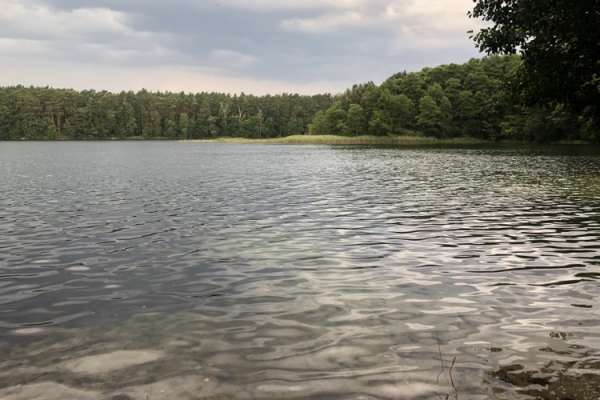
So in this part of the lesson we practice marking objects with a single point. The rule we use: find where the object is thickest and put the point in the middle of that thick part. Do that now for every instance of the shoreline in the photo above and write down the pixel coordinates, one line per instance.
(345, 140)
(366, 140)
(335, 140)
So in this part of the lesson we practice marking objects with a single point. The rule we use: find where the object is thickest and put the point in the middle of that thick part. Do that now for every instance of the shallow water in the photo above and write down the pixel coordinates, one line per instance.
(166, 270)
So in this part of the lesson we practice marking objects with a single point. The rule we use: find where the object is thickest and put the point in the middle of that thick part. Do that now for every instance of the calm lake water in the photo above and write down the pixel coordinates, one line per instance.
(166, 270)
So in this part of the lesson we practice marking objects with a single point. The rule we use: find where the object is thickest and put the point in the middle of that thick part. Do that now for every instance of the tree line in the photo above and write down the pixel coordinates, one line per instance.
(34, 113)
(479, 98)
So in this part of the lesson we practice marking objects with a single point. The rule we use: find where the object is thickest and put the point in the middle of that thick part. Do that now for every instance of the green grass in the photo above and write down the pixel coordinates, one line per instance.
(350, 140)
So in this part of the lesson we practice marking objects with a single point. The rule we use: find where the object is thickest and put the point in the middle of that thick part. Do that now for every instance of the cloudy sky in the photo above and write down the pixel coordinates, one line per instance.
(254, 46)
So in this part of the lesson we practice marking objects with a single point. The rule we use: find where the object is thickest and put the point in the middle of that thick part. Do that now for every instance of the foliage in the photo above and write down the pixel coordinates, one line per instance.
(560, 45)
(474, 99)
(49, 114)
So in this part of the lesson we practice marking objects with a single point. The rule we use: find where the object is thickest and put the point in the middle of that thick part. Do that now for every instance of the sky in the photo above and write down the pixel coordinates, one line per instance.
(251, 46)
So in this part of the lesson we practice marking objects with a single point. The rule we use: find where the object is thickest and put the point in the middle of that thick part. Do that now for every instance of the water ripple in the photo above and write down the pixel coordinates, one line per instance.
(298, 272)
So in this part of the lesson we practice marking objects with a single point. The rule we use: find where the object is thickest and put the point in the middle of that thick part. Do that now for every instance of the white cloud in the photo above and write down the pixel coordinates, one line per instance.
(327, 22)
(446, 14)
(293, 5)
(98, 35)
(232, 58)
(19, 47)
(37, 20)
(409, 23)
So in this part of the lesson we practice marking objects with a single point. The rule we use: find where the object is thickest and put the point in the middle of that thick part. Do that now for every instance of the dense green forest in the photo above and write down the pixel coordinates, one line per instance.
(475, 99)
(478, 98)
(49, 114)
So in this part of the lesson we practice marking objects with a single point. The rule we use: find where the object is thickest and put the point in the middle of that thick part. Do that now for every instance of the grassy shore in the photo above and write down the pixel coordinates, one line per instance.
(350, 140)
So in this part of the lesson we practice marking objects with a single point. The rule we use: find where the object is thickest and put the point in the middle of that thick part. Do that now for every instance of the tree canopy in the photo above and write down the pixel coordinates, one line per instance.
(472, 99)
(559, 41)
(48, 114)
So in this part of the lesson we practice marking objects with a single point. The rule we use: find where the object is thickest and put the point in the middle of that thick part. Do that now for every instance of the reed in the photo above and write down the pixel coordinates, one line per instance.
(349, 140)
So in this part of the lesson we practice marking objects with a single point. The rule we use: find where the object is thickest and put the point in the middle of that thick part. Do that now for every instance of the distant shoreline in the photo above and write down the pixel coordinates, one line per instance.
(333, 140)
(401, 140)
(345, 140)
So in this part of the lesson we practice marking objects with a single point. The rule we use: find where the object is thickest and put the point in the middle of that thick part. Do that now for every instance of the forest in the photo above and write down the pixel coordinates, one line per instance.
(29, 113)
(476, 99)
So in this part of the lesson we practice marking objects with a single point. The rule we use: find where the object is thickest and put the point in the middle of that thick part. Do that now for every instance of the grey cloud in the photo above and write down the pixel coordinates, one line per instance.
(253, 39)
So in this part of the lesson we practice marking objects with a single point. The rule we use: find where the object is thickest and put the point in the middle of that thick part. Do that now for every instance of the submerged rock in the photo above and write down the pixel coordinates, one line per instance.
(556, 381)
(108, 362)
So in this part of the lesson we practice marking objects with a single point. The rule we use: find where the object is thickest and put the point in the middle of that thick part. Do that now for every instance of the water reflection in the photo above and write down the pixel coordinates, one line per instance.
(220, 271)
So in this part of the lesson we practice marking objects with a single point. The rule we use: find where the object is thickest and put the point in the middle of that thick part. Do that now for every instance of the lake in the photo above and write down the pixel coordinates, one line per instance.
(165, 270)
